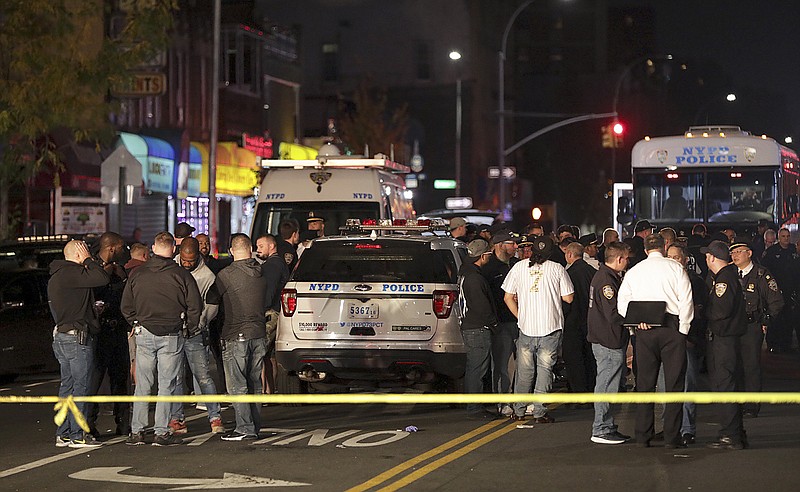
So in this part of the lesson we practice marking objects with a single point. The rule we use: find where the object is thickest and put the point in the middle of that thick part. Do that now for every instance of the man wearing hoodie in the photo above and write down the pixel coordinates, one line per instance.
(196, 349)
(159, 299)
(478, 319)
(243, 289)
(75, 334)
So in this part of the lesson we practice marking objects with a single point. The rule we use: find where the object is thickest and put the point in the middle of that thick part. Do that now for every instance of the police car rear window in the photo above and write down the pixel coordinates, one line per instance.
(375, 261)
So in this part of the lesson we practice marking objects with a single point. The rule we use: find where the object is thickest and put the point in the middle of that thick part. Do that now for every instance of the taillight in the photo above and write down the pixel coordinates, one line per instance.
(443, 301)
(289, 301)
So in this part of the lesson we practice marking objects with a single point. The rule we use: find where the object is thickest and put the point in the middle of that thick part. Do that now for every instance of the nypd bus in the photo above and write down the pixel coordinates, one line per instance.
(717, 175)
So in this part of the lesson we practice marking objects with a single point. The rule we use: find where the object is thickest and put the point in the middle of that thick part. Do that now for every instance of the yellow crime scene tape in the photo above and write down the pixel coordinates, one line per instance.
(65, 405)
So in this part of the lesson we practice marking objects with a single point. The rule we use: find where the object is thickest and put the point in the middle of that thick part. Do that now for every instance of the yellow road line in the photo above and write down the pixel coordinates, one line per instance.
(435, 465)
(379, 479)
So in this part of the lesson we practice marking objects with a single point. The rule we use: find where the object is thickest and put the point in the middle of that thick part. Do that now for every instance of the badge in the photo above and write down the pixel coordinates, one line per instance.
(773, 285)
(751, 287)
(608, 292)
(719, 289)
(287, 257)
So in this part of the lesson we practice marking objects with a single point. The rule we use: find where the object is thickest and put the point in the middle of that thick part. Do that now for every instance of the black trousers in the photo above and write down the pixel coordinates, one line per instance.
(723, 359)
(653, 347)
(112, 357)
(749, 370)
(579, 360)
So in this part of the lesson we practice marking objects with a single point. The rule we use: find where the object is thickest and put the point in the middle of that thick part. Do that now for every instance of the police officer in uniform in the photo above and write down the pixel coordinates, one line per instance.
(763, 301)
(727, 322)
(781, 260)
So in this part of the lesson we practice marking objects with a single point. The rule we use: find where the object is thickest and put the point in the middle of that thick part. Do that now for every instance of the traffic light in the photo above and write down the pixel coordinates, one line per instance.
(618, 130)
(608, 138)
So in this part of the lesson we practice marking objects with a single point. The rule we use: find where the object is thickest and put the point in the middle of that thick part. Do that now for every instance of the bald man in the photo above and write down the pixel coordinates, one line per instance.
(75, 335)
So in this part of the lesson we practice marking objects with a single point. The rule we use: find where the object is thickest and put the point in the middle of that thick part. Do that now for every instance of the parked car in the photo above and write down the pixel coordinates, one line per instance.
(32, 251)
(26, 325)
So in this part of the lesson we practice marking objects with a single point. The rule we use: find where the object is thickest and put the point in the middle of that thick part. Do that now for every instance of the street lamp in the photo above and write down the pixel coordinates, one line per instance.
(501, 103)
(456, 56)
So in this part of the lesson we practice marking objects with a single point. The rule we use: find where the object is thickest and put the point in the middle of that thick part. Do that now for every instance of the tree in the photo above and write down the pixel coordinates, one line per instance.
(57, 65)
(370, 122)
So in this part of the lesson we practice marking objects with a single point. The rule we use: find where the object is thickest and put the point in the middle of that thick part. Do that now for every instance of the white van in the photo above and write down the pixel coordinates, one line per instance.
(335, 188)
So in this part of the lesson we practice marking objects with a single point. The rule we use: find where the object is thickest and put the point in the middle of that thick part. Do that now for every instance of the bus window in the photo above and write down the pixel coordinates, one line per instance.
(749, 194)
(791, 188)
(669, 197)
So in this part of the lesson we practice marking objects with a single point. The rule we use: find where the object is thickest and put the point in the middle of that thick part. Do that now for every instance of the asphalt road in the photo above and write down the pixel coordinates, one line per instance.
(341, 447)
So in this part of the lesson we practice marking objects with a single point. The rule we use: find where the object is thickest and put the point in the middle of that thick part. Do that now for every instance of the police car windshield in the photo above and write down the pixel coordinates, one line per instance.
(383, 260)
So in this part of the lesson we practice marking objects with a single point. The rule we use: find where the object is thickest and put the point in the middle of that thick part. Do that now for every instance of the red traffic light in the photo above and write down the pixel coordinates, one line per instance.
(618, 128)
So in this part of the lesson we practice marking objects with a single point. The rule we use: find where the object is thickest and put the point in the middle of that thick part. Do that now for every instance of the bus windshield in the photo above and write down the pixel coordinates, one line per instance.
(705, 196)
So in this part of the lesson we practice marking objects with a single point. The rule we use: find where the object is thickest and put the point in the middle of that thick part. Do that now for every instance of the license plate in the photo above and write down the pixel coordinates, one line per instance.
(362, 311)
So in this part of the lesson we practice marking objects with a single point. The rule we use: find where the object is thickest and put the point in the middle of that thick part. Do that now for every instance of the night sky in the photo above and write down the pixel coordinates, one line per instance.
(754, 41)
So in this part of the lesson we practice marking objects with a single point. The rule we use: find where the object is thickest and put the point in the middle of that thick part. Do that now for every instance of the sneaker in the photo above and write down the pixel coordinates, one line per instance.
(529, 410)
(506, 410)
(516, 418)
(544, 419)
(167, 440)
(88, 441)
(216, 426)
(177, 426)
(621, 435)
(688, 438)
(610, 438)
(238, 436)
(135, 439)
(62, 442)
(202, 407)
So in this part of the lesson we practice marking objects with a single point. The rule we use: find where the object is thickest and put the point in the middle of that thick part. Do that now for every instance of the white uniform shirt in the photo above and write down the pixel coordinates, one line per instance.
(659, 279)
(539, 290)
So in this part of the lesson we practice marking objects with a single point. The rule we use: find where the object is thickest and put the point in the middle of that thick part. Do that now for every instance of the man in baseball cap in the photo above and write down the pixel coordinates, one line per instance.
(718, 249)
(183, 230)
(458, 228)
(478, 318)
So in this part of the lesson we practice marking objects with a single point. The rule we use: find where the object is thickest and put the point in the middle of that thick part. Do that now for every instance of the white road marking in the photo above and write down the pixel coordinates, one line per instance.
(58, 457)
(41, 383)
(229, 480)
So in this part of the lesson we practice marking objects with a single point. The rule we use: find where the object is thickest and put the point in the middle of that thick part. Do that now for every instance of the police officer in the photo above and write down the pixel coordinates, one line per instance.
(727, 322)
(781, 259)
(763, 301)
(642, 229)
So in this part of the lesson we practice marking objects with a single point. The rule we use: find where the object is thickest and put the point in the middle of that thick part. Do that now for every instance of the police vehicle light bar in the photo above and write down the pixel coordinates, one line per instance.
(42, 239)
(342, 162)
(421, 225)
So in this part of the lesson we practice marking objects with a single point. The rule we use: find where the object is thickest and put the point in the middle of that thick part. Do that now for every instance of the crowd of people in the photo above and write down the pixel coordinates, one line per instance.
(142, 316)
(534, 297)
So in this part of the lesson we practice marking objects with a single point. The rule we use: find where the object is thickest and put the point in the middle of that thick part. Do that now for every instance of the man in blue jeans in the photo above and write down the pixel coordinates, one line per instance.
(534, 291)
(75, 335)
(243, 289)
(158, 299)
(196, 348)
(478, 319)
(609, 339)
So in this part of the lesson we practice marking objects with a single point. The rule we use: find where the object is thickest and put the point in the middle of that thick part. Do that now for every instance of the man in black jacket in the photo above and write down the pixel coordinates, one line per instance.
(243, 289)
(478, 319)
(159, 299)
(575, 349)
(727, 322)
(75, 336)
(781, 260)
(504, 245)
(112, 355)
(276, 274)
(609, 339)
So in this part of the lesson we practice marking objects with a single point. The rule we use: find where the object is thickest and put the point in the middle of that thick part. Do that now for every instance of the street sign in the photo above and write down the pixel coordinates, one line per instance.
(457, 202)
(142, 84)
(411, 181)
(444, 184)
(509, 172)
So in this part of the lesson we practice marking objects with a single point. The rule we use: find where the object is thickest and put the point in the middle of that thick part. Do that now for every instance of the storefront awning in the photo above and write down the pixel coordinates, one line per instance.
(237, 169)
(157, 158)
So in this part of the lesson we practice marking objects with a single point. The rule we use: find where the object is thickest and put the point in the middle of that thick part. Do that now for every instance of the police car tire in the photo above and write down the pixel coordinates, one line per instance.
(287, 384)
